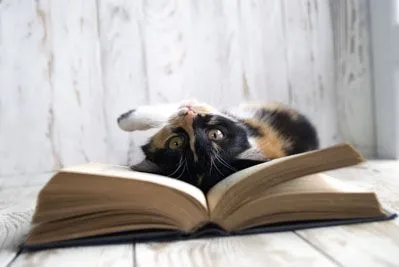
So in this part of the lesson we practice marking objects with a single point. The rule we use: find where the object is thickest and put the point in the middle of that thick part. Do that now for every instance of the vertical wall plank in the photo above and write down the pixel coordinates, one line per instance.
(384, 36)
(25, 90)
(68, 69)
(310, 64)
(355, 107)
(51, 91)
(193, 51)
(263, 52)
(78, 100)
(124, 71)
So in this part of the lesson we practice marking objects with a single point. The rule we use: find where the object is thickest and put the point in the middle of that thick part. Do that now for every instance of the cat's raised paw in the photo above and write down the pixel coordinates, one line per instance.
(125, 115)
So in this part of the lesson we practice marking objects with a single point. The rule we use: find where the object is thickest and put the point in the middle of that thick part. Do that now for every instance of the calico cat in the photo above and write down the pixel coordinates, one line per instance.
(201, 145)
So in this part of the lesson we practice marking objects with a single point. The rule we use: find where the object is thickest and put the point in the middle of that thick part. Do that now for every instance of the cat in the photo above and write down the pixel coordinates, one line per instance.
(201, 145)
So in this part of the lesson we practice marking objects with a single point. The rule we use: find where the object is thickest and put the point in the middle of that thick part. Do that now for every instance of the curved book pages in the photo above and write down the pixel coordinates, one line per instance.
(101, 204)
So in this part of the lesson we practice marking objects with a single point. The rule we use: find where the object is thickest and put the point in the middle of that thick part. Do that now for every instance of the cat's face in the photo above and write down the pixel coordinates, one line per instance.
(198, 145)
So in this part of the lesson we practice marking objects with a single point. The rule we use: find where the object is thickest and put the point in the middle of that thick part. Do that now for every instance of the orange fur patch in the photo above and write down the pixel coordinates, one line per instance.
(180, 122)
(159, 139)
(272, 144)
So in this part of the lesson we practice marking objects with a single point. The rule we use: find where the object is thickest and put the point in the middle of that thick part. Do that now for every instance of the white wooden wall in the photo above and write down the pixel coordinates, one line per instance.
(69, 68)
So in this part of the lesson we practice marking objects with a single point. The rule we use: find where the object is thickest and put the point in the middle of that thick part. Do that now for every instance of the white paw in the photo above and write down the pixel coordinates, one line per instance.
(128, 121)
(144, 117)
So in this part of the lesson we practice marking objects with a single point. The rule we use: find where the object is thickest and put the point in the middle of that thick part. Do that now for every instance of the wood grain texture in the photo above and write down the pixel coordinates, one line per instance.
(309, 56)
(263, 51)
(101, 256)
(84, 63)
(25, 89)
(384, 35)
(355, 108)
(24, 180)
(51, 99)
(375, 244)
(281, 249)
(192, 51)
(16, 209)
(124, 72)
(77, 120)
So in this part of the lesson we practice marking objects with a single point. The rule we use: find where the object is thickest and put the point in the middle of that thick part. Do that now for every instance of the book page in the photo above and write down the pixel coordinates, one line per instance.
(125, 172)
(314, 183)
(216, 193)
(300, 198)
(244, 184)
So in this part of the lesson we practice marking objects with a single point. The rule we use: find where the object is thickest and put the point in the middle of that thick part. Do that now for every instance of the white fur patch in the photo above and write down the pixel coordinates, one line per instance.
(146, 117)
(156, 115)
(253, 152)
(242, 111)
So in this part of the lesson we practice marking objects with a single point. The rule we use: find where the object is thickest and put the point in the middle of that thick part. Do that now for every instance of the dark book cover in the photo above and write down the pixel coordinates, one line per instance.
(209, 231)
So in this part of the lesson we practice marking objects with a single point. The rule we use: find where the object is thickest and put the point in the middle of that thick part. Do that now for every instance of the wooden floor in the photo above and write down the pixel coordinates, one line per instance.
(374, 244)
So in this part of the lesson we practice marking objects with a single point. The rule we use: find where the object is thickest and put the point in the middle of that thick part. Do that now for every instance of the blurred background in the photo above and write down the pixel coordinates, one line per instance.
(68, 69)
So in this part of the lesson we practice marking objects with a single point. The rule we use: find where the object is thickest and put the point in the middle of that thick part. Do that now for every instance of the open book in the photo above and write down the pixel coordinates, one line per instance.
(97, 203)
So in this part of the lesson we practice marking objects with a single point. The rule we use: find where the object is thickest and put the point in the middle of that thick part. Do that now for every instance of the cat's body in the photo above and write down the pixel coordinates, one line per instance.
(202, 145)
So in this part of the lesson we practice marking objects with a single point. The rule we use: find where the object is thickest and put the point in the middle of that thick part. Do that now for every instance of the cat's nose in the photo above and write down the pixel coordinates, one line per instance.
(189, 116)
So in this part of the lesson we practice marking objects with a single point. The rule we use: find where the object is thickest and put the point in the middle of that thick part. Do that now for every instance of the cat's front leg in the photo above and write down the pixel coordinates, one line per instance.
(146, 117)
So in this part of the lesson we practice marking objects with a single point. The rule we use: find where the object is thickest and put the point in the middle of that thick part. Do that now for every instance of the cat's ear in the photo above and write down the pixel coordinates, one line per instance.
(146, 166)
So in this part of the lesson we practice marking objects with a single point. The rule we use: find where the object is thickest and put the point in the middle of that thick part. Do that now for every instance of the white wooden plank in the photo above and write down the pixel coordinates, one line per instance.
(192, 50)
(26, 142)
(15, 225)
(23, 180)
(375, 244)
(54, 114)
(13, 196)
(282, 249)
(309, 56)
(354, 90)
(104, 256)
(124, 72)
(384, 35)
(263, 51)
(16, 209)
(77, 120)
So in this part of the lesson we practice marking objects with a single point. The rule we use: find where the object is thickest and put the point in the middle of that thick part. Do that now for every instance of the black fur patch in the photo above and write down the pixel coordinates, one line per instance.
(296, 127)
(209, 169)
(213, 165)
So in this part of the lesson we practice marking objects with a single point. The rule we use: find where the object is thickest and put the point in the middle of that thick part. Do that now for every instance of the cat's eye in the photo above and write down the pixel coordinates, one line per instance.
(215, 134)
(176, 142)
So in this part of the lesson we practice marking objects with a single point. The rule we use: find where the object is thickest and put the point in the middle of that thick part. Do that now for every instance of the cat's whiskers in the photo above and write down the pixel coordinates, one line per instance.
(224, 163)
(178, 167)
(210, 169)
(215, 165)
(182, 172)
(221, 160)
